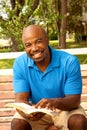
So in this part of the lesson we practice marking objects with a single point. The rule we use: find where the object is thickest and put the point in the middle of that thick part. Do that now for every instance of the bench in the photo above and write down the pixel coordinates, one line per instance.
(7, 95)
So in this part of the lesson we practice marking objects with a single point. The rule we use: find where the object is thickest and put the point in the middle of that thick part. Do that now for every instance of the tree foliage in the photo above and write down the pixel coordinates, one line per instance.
(75, 17)
(52, 15)
(18, 15)
(46, 16)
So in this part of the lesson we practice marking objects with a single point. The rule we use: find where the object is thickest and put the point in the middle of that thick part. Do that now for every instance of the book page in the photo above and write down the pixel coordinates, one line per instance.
(27, 109)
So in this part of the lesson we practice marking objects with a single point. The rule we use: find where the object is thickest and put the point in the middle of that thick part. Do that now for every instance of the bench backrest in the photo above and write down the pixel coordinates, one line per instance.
(7, 95)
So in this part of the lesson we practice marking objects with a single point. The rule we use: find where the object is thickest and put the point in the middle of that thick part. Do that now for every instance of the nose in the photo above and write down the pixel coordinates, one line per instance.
(34, 47)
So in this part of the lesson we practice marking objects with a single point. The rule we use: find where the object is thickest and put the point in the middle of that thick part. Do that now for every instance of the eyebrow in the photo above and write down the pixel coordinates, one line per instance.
(35, 40)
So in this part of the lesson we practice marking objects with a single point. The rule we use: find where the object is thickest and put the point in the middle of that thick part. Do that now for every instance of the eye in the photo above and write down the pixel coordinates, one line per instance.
(27, 45)
(39, 41)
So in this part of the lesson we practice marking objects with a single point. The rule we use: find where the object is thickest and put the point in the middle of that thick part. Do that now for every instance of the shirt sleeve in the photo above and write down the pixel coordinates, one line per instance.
(20, 83)
(73, 83)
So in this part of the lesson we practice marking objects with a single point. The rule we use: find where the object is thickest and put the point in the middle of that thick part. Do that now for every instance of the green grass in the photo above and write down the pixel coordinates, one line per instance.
(5, 50)
(70, 43)
(82, 58)
(6, 63)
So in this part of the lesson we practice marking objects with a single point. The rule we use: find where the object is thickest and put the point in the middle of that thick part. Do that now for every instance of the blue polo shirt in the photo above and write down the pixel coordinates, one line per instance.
(62, 76)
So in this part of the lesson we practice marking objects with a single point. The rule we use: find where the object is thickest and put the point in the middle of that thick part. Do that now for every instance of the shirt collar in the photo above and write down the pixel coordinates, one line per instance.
(54, 57)
(30, 62)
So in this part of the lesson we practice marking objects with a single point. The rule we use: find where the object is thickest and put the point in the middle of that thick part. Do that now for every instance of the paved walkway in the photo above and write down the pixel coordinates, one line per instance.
(10, 71)
(11, 55)
(76, 51)
(6, 72)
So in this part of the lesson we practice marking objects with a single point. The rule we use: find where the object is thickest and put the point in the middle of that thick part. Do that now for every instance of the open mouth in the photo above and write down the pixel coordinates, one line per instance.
(37, 54)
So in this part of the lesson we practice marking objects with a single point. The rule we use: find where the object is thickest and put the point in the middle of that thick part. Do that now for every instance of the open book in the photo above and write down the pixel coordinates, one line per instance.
(28, 109)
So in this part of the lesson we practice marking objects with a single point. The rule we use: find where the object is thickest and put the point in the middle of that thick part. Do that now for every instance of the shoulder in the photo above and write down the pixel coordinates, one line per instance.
(63, 56)
(65, 60)
(21, 60)
(20, 65)
(69, 60)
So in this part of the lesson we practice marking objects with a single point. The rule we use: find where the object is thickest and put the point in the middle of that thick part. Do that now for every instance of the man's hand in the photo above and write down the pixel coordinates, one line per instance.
(46, 103)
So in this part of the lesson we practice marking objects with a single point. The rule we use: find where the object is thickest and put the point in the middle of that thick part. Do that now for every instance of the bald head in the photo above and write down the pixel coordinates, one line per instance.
(34, 29)
(33, 26)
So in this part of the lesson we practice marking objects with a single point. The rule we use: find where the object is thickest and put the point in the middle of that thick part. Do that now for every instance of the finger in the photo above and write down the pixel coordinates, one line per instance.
(42, 103)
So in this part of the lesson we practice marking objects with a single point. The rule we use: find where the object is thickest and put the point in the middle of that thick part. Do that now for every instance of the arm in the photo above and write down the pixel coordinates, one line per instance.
(67, 103)
(22, 97)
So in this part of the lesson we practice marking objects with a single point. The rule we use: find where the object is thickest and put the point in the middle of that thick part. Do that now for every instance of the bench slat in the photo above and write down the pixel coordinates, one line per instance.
(7, 95)
(6, 86)
(84, 97)
(7, 78)
(7, 112)
(5, 126)
(4, 102)
(7, 119)
(84, 90)
(84, 80)
(84, 105)
(84, 73)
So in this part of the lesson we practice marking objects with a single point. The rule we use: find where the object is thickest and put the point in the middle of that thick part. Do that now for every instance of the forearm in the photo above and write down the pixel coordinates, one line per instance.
(67, 103)
(22, 97)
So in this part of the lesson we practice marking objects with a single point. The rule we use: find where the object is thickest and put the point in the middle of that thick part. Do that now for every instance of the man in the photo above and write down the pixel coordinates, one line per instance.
(50, 79)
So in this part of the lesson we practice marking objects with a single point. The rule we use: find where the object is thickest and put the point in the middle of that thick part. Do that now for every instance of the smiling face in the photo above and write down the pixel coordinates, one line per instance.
(36, 43)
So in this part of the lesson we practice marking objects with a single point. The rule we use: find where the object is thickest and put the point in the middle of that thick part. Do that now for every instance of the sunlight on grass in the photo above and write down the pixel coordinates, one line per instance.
(67, 40)
(70, 40)
(70, 43)
(82, 58)
(6, 63)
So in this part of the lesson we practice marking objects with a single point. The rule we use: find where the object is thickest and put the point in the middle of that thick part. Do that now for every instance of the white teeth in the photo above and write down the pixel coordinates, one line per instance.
(36, 55)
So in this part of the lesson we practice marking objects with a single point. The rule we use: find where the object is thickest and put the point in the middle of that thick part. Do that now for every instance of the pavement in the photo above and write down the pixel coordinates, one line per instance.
(4, 72)
(10, 55)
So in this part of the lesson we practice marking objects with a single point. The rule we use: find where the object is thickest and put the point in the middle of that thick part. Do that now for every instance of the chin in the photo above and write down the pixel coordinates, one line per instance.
(38, 60)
